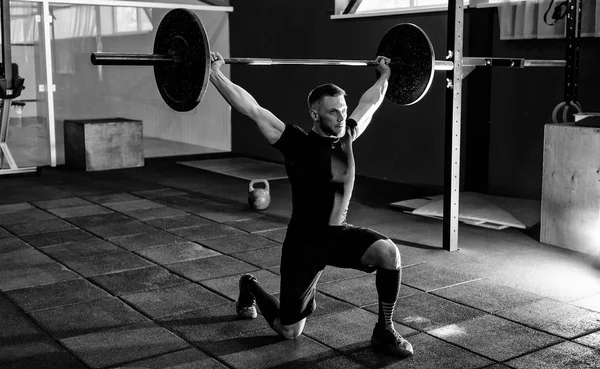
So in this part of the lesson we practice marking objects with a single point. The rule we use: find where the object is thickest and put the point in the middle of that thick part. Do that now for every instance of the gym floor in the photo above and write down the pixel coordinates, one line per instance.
(139, 268)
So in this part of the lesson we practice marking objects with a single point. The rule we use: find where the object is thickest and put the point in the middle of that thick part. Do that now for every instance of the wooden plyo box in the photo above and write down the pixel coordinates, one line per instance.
(102, 144)
(570, 214)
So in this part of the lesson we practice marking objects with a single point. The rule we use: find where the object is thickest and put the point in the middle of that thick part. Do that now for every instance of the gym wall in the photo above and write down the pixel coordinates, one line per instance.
(88, 92)
(504, 110)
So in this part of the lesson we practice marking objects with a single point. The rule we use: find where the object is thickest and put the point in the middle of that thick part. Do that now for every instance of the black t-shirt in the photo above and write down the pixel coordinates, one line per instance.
(321, 172)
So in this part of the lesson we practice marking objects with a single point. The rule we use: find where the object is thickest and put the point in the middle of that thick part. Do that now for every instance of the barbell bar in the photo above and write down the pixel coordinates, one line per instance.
(113, 58)
(181, 61)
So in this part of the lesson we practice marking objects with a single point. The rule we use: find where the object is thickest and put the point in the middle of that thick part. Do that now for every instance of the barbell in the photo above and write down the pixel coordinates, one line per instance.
(181, 61)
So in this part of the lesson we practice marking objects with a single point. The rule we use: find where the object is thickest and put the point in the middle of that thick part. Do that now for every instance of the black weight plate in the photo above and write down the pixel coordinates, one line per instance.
(182, 35)
(411, 78)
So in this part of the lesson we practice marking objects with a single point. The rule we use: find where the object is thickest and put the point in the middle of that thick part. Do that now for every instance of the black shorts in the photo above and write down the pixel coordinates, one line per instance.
(304, 258)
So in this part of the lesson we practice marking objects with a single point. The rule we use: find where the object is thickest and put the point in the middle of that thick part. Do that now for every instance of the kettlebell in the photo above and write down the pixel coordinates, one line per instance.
(259, 198)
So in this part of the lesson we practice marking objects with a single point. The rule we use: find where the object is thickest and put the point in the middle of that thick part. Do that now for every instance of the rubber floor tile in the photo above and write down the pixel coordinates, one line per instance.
(224, 213)
(25, 345)
(206, 205)
(79, 211)
(184, 221)
(239, 243)
(77, 250)
(25, 216)
(36, 275)
(259, 224)
(43, 226)
(154, 213)
(86, 317)
(347, 331)
(61, 203)
(486, 295)
(106, 263)
(189, 358)
(359, 291)
(559, 318)
(132, 205)
(277, 235)
(187, 203)
(58, 238)
(210, 268)
(15, 208)
(216, 323)
(121, 229)
(332, 274)
(4, 233)
(494, 337)
(153, 238)
(207, 232)
(425, 312)
(266, 349)
(263, 258)
(326, 360)
(564, 355)
(229, 286)
(23, 258)
(327, 305)
(124, 344)
(160, 192)
(138, 280)
(428, 277)
(592, 340)
(8, 244)
(49, 356)
(99, 220)
(56, 294)
(591, 302)
(429, 353)
(112, 198)
(32, 193)
(174, 300)
(85, 188)
(177, 253)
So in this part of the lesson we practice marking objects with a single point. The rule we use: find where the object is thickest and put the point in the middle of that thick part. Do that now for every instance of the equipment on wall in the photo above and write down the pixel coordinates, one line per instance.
(570, 105)
(181, 61)
(11, 86)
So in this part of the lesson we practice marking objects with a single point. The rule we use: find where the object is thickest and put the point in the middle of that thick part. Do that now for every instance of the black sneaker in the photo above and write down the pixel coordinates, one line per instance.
(245, 306)
(390, 341)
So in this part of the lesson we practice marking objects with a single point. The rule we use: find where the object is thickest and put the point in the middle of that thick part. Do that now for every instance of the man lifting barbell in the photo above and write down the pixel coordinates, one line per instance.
(320, 166)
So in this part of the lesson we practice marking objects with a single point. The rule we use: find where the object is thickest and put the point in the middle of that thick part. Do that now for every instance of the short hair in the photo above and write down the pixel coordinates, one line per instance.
(328, 89)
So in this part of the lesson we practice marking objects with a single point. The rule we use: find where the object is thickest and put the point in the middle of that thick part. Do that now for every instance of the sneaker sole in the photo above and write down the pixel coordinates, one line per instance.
(389, 349)
(247, 313)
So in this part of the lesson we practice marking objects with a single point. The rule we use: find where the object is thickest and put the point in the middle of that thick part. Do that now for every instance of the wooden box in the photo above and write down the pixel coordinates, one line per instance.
(570, 214)
(102, 144)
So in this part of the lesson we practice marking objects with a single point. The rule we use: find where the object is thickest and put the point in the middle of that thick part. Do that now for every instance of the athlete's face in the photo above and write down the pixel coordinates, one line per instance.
(330, 116)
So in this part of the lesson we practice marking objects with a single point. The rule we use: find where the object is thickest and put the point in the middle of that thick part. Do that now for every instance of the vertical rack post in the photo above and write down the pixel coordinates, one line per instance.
(9, 86)
(453, 125)
(573, 34)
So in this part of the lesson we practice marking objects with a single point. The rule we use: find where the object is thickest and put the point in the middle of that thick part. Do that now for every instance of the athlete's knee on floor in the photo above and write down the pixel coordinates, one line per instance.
(289, 332)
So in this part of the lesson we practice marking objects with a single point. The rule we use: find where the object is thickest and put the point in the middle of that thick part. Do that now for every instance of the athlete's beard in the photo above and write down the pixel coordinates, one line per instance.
(327, 130)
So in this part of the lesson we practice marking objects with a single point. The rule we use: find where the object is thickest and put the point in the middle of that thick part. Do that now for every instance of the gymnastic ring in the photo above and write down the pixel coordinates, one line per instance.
(566, 106)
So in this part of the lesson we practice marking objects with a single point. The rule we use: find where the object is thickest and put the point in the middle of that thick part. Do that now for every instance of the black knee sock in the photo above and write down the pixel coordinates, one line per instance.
(388, 287)
(268, 304)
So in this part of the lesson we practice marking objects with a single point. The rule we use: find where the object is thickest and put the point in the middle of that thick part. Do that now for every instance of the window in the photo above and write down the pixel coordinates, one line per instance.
(366, 7)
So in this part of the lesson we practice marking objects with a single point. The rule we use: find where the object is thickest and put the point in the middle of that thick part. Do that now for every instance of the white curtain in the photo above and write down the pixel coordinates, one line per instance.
(522, 19)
